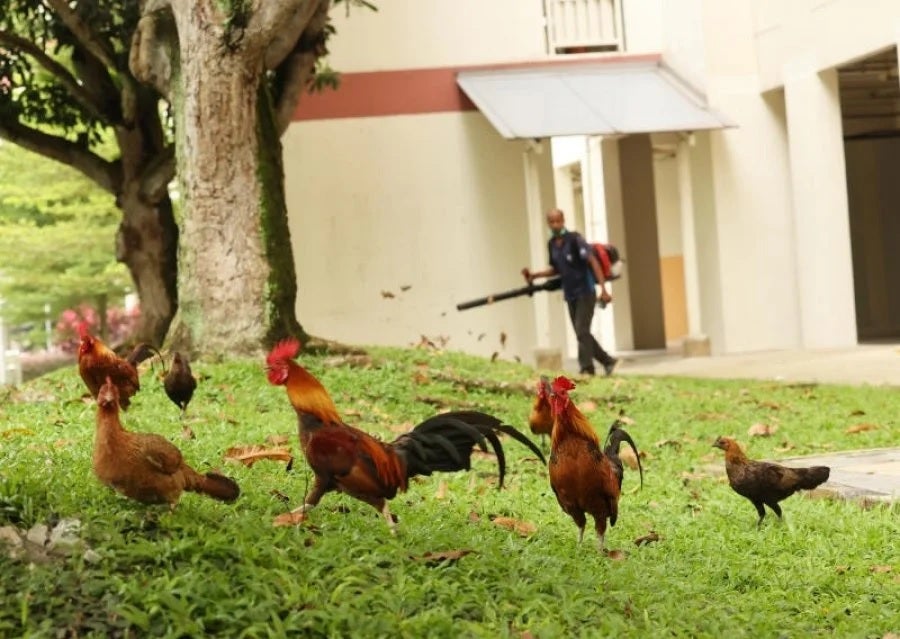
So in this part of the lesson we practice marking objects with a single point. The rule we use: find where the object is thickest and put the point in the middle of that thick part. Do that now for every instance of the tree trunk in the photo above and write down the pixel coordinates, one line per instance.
(147, 240)
(147, 243)
(234, 262)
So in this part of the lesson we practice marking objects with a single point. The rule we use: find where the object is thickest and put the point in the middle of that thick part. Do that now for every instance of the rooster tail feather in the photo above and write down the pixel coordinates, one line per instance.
(522, 438)
(809, 478)
(141, 352)
(614, 439)
(439, 444)
(214, 485)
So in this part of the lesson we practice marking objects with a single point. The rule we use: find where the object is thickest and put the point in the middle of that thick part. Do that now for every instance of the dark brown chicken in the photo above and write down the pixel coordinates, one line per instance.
(180, 383)
(146, 467)
(349, 460)
(765, 483)
(96, 362)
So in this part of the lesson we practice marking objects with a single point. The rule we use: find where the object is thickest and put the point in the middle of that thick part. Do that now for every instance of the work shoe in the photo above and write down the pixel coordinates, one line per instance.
(609, 367)
(587, 371)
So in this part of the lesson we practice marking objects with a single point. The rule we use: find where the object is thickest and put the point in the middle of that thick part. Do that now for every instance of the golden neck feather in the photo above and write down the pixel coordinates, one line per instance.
(307, 395)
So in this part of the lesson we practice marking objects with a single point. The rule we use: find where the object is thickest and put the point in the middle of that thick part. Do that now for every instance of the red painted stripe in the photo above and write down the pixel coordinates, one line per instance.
(413, 91)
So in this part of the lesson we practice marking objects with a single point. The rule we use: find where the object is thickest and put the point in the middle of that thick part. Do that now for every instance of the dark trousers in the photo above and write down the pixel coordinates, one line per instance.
(581, 312)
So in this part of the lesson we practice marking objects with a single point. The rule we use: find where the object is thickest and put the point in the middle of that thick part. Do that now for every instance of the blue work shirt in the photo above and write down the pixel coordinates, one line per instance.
(570, 259)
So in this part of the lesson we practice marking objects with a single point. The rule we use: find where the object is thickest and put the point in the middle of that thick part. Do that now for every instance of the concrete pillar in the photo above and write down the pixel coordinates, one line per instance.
(821, 217)
(597, 230)
(537, 245)
(695, 342)
(619, 314)
(641, 241)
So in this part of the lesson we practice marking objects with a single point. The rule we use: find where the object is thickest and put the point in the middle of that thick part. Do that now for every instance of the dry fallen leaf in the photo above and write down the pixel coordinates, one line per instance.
(405, 427)
(646, 539)
(587, 406)
(441, 490)
(280, 496)
(615, 555)
(523, 528)
(761, 430)
(278, 440)
(841, 569)
(6, 434)
(188, 433)
(474, 517)
(880, 569)
(421, 377)
(860, 428)
(436, 558)
(628, 458)
(785, 447)
(249, 455)
(289, 519)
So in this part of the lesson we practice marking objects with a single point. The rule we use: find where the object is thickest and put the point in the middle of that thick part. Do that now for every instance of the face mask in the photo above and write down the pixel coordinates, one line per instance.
(558, 233)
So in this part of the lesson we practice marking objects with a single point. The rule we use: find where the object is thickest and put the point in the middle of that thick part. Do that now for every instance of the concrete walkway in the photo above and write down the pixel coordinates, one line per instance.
(875, 364)
(865, 475)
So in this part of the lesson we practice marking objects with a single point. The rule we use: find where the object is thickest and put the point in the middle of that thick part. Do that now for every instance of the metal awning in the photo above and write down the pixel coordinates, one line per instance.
(596, 98)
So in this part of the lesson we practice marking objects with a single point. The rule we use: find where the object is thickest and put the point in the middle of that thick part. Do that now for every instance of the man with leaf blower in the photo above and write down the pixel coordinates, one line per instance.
(579, 268)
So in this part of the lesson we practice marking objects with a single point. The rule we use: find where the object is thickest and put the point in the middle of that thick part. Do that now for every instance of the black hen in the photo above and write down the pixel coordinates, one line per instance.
(180, 382)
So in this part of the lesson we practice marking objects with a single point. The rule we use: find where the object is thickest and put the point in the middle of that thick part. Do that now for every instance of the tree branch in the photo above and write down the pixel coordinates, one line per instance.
(296, 72)
(280, 24)
(157, 175)
(150, 57)
(101, 50)
(105, 173)
(81, 95)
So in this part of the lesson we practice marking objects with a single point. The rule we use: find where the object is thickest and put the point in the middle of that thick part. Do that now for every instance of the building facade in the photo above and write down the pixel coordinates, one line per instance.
(737, 151)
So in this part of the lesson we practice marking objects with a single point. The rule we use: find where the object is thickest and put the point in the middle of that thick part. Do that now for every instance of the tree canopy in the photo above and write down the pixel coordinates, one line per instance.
(56, 236)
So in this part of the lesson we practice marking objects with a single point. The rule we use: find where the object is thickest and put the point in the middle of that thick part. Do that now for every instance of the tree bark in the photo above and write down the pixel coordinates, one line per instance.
(235, 278)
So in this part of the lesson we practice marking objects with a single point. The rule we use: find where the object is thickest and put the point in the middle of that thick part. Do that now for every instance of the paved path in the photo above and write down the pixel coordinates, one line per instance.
(867, 475)
(875, 364)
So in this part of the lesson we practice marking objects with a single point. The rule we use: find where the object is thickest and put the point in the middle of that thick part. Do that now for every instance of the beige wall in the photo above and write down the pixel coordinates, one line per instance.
(433, 202)
(406, 34)
(820, 33)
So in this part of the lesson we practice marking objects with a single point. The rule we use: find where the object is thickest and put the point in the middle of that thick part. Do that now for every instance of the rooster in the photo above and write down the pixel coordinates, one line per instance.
(143, 466)
(584, 479)
(765, 483)
(348, 460)
(180, 383)
(97, 362)
(541, 418)
(541, 423)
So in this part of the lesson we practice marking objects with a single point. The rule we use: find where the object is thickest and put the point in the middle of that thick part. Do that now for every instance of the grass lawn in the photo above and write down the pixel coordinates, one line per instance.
(212, 569)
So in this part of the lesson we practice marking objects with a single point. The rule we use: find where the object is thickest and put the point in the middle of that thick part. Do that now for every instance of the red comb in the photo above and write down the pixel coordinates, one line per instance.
(284, 350)
(562, 385)
(83, 329)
